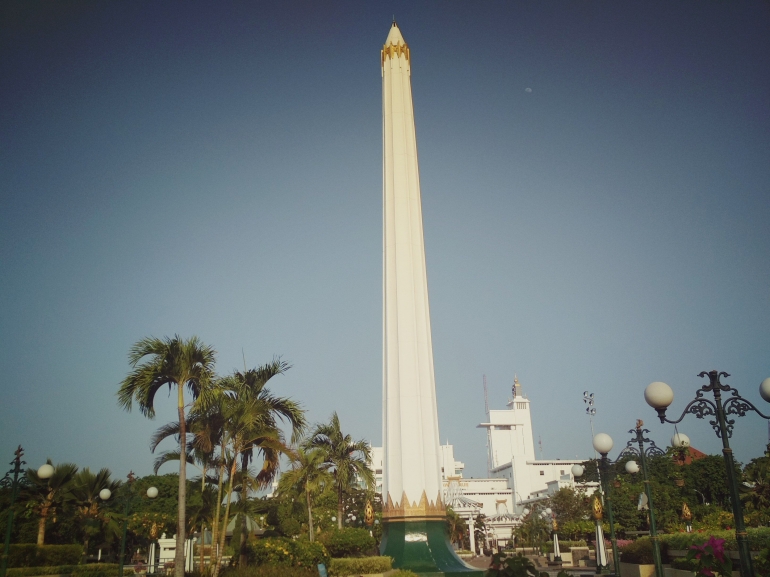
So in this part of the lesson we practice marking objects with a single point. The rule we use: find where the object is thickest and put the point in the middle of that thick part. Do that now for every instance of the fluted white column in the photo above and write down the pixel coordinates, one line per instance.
(412, 466)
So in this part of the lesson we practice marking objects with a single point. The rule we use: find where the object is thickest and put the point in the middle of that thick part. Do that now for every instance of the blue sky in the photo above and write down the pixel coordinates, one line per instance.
(596, 194)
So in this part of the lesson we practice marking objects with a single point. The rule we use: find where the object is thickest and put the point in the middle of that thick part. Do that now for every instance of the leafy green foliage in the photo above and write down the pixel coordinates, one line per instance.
(347, 542)
(511, 566)
(759, 538)
(762, 563)
(283, 551)
(403, 573)
(359, 566)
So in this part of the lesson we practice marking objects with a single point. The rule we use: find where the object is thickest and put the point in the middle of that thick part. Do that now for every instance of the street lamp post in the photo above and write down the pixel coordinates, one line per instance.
(603, 445)
(632, 467)
(659, 396)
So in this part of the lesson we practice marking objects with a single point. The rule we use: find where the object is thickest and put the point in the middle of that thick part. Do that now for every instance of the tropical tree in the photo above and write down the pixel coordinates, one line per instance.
(46, 495)
(86, 487)
(248, 387)
(457, 528)
(307, 477)
(346, 459)
(186, 364)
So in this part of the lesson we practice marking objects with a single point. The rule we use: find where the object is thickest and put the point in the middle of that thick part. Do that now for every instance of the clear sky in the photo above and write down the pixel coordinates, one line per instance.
(596, 195)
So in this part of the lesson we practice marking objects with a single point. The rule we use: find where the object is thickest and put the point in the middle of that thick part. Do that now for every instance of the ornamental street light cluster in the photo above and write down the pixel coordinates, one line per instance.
(660, 396)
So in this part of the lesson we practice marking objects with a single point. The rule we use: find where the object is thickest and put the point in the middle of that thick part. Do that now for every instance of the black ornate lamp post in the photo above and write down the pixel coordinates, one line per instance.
(632, 467)
(659, 396)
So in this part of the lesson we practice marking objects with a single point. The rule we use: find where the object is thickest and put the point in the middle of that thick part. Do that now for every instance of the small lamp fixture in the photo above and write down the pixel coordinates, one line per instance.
(632, 467)
(152, 492)
(105, 494)
(577, 470)
(659, 396)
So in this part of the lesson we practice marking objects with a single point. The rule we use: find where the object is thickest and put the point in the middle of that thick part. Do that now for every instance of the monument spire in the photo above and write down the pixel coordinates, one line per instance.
(413, 509)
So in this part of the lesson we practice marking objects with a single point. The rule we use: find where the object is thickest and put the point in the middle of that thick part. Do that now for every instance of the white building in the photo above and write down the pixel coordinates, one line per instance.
(512, 453)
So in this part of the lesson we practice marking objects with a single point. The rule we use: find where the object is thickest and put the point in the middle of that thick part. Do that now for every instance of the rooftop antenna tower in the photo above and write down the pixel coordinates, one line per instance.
(540, 442)
(489, 430)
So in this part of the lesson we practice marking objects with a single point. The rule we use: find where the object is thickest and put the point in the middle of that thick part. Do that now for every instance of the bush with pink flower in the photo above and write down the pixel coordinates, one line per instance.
(710, 558)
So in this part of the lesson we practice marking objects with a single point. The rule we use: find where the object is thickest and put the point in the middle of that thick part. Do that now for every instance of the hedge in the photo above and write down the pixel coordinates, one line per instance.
(759, 538)
(564, 546)
(93, 570)
(348, 542)
(359, 566)
(271, 571)
(30, 555)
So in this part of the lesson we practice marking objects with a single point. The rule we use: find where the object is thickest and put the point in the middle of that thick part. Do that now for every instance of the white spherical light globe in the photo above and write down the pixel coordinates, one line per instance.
(152, 492)
(603, 443)
(577, 470)
(45, 471)
(105, 494)
(658, 395)
(525, 512)
(680, 440)
(548, 510)
(764, 389)
(632, 467)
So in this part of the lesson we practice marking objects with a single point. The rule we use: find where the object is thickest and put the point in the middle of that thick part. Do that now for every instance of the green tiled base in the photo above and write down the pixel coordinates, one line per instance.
(423, 547)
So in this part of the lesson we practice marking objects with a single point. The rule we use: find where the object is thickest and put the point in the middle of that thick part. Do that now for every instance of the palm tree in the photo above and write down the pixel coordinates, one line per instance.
(348, 460)
(308, 476)
(186, 364)
(250, 387)
(85, 491)
(48, 494)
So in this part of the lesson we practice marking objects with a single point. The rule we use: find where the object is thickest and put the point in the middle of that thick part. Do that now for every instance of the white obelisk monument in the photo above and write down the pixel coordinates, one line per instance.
(413, 512)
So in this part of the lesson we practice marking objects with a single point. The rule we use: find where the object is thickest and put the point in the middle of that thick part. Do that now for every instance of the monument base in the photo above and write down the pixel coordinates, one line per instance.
(423, 547)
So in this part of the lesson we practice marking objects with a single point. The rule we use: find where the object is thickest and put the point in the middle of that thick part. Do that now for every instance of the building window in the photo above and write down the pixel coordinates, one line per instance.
(542, 473)
(521, 405)
(561, 472)
(504, 428)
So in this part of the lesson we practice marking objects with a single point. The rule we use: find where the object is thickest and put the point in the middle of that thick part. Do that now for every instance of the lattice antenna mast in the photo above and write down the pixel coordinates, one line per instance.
(489, 430)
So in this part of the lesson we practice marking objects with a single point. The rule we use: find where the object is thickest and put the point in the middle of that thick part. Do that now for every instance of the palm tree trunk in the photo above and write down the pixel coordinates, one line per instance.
(340, 508)
(242, 558)
(203, 544)
(182, 502)
(227, 514)
(309, 514)
(41, 524)
(215, 529)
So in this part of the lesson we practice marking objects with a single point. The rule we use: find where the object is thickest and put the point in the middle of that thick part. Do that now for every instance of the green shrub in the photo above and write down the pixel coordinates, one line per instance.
(94, 570)
(30, 555)
(348, 542)
(762, 563)
(271, 571)
(640, 552)
(403, 573)
(684, 564)
(359, 565)
(22, 555)
(283, 551)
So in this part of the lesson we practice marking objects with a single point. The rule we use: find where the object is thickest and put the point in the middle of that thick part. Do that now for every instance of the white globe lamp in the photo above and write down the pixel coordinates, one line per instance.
(105, 494)
(45, 471)
(152, 492)
(658, 395)
(764, 389)
(632, 467)
(603, 443)
(577, 470)
(680, 440)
